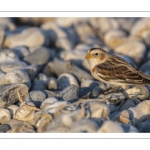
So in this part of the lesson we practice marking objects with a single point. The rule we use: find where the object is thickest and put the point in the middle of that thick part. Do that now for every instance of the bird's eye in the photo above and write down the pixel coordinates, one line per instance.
(96, 54)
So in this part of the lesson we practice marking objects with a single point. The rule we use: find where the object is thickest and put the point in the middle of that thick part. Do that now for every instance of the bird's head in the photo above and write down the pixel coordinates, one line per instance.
(96, 56)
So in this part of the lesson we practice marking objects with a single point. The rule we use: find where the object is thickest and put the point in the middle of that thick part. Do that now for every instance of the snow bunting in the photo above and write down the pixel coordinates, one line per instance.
(114, 70)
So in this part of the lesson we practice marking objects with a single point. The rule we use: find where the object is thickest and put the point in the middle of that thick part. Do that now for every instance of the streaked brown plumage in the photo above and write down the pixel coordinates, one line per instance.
(114, 70)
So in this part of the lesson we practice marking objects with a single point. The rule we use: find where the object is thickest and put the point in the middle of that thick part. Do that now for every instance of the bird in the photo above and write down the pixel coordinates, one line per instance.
(113, 70)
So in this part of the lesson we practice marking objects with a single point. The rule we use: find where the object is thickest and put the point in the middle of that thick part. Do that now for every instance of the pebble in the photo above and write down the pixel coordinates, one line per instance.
(34, 58)
(36, 97)
(16, 76)
(24, 113)
(110, 127)
(99, 110)
(10, 66)
(41, 122)
(67, 67)
(5, 116)
(69, 93)
(143, 127)
(52, 83)
(138, 91)
(29, 37)
(84, 126)
(144, 67)
(44, 61)
(31, 70)
(129, 103)
(18, 126)
(114, 38)
(7, 55)
(39, 86)
(136, 114)
(66, 79)
(133, 49)
(4, 128)
(8, 94)
(21, 51)
(104, 24)
(12, 109)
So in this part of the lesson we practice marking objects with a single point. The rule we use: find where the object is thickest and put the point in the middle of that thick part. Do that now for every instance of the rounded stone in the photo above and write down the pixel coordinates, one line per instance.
(67, 79)
(5, 116)
(52, 83)
(16, 76)
(133, 49)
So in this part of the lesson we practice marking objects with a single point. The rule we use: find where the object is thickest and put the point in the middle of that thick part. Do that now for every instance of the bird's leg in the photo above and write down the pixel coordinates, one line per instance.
(112, 90)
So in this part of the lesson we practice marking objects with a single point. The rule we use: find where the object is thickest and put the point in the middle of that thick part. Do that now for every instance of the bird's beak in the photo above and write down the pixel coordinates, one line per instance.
(88, 56)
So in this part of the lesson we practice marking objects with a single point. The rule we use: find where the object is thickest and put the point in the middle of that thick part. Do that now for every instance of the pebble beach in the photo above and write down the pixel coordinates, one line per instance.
(45, 81)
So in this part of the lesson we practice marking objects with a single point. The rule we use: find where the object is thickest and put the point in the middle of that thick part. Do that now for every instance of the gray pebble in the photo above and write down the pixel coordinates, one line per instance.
(31, 70)
(67, 67)
(143, 127)
(10, 66)
(39, 57)
(39, 86)
(16, 76)
(37, 97)
(69, 93)
(4, 128)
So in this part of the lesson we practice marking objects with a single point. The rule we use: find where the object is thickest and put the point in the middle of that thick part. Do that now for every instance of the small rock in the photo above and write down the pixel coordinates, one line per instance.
(143, 127)
(29, 37)
(39, 86)
(62, 66)
(7, 55)
(16, 76)
(114, 38)
(52, 83)
(10, 66)
(5, 116)
(8, 94)
(58, 130)
(21, 51)
(69, 93)
(67, 79)
(4, 128)
(138, 91)
(47, 102)
(12, 109)
(33, 58)
(136, 114)
(31, 70)
(18, 126)
(134, 49)
(84, 126)
(110, 127)
(129, 103)
(37, 97)
(24, 113)
(99, 110)
(145, 67)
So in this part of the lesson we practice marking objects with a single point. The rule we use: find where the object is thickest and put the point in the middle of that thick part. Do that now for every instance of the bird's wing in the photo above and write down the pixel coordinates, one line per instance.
(117, 70)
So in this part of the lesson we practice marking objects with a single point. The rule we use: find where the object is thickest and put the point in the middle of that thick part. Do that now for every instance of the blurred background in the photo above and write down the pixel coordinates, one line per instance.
(71, 38)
